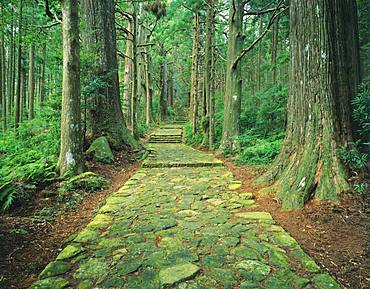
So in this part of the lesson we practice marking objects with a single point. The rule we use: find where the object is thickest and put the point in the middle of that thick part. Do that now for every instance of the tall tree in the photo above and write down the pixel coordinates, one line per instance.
(31, 82)
(71, 148)
(105, 115)
(324, 73)
(19, 67)
(232, 99)
(194, 101)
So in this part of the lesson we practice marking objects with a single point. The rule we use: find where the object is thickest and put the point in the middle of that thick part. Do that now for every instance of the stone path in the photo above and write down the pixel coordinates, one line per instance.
(179, 223)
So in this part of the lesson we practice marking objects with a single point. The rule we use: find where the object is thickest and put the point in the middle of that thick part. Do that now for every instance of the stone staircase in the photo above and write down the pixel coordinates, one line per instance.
(167, 134)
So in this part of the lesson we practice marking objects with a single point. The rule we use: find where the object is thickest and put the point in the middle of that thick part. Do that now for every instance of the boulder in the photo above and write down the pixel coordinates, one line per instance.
(100, 150)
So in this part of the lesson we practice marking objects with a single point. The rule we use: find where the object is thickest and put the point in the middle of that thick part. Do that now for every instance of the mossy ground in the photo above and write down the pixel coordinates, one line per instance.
(183, 227)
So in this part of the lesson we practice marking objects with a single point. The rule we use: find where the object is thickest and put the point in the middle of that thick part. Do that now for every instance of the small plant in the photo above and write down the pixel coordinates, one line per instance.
(87, 182)
(353, 157)
(19, 231)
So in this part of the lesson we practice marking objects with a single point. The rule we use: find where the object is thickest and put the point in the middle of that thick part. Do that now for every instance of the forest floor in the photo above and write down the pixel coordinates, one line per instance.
(187, 210)
(28, 241)
(337, 236)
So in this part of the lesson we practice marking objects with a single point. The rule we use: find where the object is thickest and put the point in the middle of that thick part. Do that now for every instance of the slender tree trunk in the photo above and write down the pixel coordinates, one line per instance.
(274, 48)
(164, 90)
(19, 67)
(31, 82)
(128, 74)
(194, 101)
(43, 74)
(11, 70)
(209, 74)
(71, 148)
(148, 108)
(23, 89)
(2, 80)
(233, 89)
(324, 73)
(259, 57)
(135, 73)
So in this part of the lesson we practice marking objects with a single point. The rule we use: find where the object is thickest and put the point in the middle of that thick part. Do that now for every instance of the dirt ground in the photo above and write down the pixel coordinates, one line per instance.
(24, 256)
(336, 235)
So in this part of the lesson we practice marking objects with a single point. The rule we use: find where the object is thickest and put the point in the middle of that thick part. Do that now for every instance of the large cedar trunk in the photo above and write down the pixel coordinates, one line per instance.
(105, 116)
(70, 158)
(233, 89)
(324, 73)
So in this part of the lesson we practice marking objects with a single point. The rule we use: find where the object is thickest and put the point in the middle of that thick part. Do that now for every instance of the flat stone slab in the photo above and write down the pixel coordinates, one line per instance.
(177, 273)
(178, 155)
(182, 227)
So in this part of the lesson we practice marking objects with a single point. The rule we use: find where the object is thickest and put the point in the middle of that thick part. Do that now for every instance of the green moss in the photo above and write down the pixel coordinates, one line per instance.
(101, 151)
(325, 281)
(70, 251)
(50, 283)
(177, 273)
(92, 269)
(54, 269)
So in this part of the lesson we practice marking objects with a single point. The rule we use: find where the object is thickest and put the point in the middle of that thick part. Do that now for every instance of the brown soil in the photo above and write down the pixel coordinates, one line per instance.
(23, 256)
(335, 235)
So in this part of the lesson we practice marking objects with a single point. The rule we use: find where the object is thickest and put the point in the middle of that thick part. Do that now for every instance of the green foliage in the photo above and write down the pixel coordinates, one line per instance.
(353, 157)
(28, 157)
(192, 139)
(258, 151)
(361, 110)
(87, 182)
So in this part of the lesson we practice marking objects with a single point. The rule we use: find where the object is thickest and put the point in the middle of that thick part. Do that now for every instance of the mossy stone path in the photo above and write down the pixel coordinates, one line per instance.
(180, 224)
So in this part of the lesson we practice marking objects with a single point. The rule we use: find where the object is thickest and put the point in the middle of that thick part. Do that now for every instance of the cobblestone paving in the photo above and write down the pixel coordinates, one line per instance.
(182, 227)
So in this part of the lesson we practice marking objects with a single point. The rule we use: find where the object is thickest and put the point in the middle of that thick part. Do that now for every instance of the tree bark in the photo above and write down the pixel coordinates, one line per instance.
(19, 67)
(3, 82)
(105, 115)
(71, 148)
(31, 82)
(128, 74)
(324, 73)
(194, 101)
(233, 89)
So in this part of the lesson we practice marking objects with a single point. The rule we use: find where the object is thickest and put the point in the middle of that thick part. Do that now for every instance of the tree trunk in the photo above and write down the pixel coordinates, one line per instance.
(194, 101)
(3, 81)
(233, 89)
(19, 66)
(43, 74)
(23, 89)
(148, 108)
(209, 74)
(164, 90)
(135, 74)
(105, 115)
(324, 73)
(71, 148)
(128, 74)
(31, 82)
(274, 48)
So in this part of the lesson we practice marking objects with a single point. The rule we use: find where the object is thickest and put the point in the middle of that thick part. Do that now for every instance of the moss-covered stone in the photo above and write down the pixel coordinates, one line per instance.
(92, 269)
(177, 273)
(128, 266)
(70, 251)
(325, 281)
(245, 253)
(87, 235)
(261, 216)
(101, 151)
(100, 221)
(284, 239)
(50, 283)
(254, 270)
(308, 263)
(54, 269)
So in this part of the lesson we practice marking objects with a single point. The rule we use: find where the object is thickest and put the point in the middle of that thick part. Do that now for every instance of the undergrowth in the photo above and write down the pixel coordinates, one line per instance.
(28, 156)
